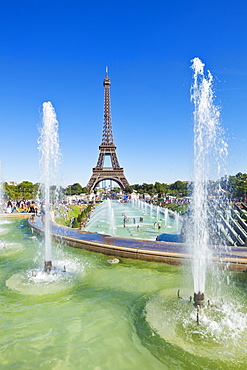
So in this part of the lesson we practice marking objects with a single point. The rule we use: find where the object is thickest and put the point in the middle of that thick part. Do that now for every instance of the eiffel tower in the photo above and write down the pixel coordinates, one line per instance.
(107, 148)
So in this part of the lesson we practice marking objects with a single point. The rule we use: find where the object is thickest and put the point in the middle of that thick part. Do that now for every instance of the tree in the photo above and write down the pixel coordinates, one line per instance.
(24, 190)
(10, 191)
(128, 189)
(237, 185)
(75, 223)
(180, 187)
(74, 189)
(159, 188)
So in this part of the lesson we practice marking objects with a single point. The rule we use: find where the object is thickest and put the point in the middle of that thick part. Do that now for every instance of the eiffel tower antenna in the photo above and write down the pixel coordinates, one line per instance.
(107, 148)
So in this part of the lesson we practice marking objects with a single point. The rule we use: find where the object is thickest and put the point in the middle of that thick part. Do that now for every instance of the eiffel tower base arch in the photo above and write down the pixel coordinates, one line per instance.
(114, 175)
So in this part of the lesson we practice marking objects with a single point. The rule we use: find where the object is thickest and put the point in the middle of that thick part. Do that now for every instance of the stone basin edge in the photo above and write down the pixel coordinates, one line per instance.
(146, 250)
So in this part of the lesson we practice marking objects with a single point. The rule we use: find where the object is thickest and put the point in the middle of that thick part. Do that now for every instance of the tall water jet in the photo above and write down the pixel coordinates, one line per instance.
(165, 215)
(208, 148)
(158, 213)
(112, 222)
(49, 160)
(111, 217)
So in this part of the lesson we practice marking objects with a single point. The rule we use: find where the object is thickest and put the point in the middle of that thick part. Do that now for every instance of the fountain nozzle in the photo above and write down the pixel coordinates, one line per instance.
(48, 266)
(199, 299)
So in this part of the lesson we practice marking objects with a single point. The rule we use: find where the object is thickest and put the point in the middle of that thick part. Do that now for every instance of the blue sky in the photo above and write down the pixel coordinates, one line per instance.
(57, 51)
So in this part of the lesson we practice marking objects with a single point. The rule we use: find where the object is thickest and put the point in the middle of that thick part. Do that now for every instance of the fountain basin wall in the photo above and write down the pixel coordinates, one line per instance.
(16, 215)
(152, 251)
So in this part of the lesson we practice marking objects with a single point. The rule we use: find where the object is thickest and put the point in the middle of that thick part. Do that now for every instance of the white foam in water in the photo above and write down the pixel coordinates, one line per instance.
(222, 327)
(35, 281)
(221, 323)
(10, 246)
(5, 221)
(3, 230)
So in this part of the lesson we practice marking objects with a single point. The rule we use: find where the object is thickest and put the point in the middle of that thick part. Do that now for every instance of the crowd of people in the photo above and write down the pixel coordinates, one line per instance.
(21, 206)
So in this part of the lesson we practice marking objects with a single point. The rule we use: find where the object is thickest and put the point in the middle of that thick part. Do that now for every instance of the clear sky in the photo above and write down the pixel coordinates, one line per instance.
(57, 51)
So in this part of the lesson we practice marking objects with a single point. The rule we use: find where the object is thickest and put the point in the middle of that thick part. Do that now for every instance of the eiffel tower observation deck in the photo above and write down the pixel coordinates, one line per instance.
(107, 148)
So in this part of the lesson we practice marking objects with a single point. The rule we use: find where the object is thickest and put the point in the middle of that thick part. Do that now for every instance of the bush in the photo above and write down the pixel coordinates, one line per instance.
(75, 224)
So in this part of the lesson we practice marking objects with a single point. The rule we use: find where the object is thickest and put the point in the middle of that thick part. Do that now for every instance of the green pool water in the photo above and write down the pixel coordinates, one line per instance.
(98, 315)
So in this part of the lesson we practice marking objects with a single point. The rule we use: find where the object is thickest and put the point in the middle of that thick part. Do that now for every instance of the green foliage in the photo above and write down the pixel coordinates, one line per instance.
(75, 189)
(24, 190)
(179, 188)
(75, 224)
(83, 214)
(235, 185)
(76, 213)
(116, 190)
(128, 189)
(179, 207)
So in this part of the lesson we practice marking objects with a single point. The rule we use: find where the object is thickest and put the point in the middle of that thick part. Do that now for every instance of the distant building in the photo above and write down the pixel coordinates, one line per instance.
(12, 183)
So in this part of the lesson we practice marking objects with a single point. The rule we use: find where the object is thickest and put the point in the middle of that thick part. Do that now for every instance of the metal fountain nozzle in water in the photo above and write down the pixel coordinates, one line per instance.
(199, 299)
(48, 265)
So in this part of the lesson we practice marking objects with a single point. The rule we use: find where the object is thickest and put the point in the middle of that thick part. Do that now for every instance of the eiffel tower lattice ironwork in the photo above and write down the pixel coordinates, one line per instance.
(107, 148)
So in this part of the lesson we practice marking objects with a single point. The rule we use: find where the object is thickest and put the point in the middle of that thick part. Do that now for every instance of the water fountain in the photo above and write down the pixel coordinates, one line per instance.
(111, 218)
(122, 220)
(207, 148)
(166, 216)
(127, 307)
(60, 275)
(158, 213)
(49, 160)
(216, 330)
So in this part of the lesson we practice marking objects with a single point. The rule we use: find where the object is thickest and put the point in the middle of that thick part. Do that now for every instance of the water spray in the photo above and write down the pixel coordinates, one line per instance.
(49, 160)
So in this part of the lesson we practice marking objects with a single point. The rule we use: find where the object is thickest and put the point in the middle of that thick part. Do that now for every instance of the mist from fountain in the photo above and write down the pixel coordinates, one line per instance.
(49, 161)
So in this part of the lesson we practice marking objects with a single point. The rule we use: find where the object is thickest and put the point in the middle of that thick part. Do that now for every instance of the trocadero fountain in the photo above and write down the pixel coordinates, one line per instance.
(130, 307)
